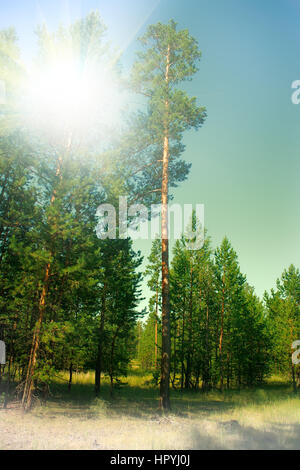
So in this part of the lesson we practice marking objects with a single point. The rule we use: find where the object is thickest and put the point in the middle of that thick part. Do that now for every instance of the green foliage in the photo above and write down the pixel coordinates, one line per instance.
(219, 329)
(149, 334)
(50, 192)
(283, 317)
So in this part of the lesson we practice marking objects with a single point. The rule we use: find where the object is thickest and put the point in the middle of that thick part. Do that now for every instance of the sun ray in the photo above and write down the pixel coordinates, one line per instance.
(140, 25)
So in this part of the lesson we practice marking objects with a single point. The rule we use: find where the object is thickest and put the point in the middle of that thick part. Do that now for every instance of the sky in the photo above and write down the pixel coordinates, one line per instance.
(245, 159)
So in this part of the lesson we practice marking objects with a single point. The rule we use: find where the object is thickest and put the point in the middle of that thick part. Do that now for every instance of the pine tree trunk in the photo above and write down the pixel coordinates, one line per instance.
(70, 376)
(28, 388)
(294, 378)
(228, 371)
(166, 337)
(27, 394)
(221, 338)
(190, 335)
(174, 356)
(111, 367)
(166, 346)
(156, 328)
(7, 388)
(206, 379)
(98, 369)
(298, 379)
(182, 346)
(293, 365)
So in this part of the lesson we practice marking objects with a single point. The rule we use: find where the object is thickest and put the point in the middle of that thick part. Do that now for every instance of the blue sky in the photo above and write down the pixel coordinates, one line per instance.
(246, 157)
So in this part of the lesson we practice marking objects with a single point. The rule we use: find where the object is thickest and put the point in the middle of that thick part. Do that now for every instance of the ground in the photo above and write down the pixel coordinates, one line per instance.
(267, 417)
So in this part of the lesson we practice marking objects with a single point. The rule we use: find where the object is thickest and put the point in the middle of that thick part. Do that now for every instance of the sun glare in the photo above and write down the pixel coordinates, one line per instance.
(63, 95)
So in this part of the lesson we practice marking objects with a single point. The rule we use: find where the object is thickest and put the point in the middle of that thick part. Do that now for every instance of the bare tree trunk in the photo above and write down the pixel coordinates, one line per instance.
(166, 337)
(70, 376)
(221, 337)
(9, 377)
(174, 355)
(298, 379)
(166, 347)
(206, 378)
(293, 365)
(228, 371)
(156, 329)
(98, 369)
(294, 378)
(182, 346)
(111, 368)
(190, 335)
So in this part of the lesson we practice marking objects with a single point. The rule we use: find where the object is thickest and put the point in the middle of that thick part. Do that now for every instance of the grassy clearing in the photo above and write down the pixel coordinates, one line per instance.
(265, 418)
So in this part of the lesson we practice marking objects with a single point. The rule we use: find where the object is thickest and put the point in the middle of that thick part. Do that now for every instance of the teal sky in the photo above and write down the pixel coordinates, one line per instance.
(245, 159)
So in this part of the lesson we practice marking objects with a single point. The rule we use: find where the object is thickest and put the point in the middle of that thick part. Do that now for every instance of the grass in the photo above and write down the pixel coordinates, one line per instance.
(266, 417)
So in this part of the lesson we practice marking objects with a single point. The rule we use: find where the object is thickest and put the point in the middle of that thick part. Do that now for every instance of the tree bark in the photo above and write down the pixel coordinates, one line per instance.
(190, 335)
(156, 329)
(182, 345)
(206, 378)
(99, 365)
(70, 376)
(111, 368)
(221, 336)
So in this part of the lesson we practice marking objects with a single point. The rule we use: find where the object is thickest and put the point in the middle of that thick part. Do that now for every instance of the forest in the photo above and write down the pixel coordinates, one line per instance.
(222, 334)
(70, 302)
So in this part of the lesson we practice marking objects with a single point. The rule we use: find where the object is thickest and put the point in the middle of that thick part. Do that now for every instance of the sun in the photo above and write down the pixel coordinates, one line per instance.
(66, 95)
(62, 91)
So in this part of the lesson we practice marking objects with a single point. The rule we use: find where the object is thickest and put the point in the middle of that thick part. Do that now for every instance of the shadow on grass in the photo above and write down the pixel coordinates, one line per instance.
(138, 398)
(234, 436)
